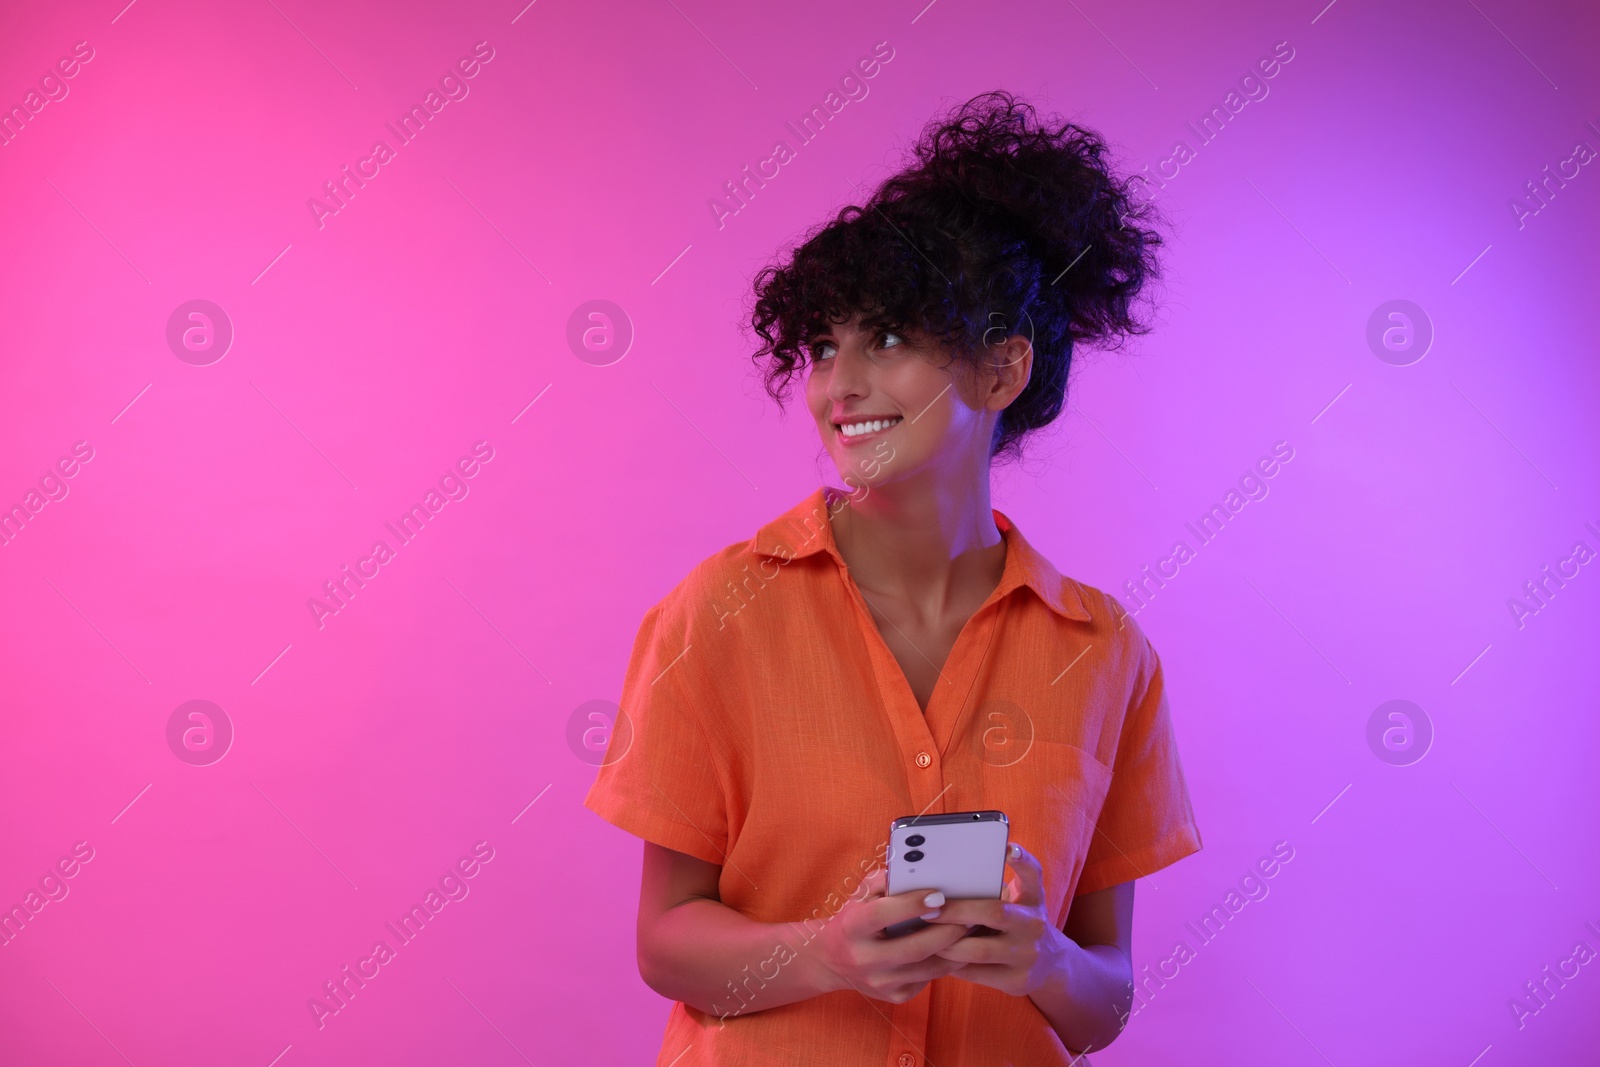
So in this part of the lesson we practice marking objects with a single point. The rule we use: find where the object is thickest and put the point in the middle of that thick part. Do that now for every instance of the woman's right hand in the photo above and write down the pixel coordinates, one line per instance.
(853, 953)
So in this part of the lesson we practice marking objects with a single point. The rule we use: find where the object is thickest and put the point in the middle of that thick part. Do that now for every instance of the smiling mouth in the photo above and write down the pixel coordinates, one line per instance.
(866, 427)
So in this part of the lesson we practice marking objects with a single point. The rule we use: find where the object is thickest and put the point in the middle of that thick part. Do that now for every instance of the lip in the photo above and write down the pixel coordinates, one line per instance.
(862, 438)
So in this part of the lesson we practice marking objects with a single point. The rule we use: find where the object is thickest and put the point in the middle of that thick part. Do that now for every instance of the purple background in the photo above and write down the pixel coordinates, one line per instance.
(371, 352)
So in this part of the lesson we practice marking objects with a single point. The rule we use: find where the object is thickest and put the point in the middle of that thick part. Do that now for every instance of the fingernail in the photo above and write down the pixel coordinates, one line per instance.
(929, 916)
(934, 899)
(1016, 851)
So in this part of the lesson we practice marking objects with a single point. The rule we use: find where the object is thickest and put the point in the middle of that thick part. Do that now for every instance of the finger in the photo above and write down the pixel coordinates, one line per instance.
(939, 967)
(1030, 875)
(995, 913)
(994, 975)
(887, 910)
(857, 913)
(977, 951)
(911, 976)
(911, 948)
(900, 993)
(935, 966)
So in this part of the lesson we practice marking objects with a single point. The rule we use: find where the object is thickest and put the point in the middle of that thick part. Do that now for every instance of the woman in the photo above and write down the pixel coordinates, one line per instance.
(902, 650)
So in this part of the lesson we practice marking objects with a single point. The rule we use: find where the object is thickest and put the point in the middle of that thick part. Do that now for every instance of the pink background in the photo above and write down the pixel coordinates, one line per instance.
(372, 753)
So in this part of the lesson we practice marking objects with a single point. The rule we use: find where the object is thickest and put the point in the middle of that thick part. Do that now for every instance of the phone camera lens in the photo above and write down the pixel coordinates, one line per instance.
(914, 840)
(913, 856)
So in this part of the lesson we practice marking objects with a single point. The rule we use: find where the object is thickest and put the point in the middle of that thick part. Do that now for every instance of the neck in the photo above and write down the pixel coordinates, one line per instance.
(926, 540)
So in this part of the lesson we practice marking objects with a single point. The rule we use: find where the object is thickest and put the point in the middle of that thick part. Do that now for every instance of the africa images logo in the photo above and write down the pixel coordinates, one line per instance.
(340, 590)
(452, 87)
(453, 886)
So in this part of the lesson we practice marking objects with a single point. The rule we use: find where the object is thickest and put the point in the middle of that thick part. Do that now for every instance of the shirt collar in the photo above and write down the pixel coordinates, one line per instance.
(804, 530)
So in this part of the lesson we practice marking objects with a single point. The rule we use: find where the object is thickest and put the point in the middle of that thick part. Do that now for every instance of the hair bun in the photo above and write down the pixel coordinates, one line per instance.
(995, 213)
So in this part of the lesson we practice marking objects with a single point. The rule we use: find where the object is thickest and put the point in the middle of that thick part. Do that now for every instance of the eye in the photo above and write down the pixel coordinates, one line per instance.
(821, 350)
(890, 339)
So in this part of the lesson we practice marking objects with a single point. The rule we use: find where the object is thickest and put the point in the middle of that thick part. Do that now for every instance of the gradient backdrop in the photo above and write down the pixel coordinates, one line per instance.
(178, 490)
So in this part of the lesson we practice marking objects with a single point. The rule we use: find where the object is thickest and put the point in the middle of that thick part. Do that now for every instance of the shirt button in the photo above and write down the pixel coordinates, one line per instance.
(923, 759)
(906, 1058)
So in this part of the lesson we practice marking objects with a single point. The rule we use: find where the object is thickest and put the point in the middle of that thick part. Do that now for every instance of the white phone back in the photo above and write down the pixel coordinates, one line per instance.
(965, 860)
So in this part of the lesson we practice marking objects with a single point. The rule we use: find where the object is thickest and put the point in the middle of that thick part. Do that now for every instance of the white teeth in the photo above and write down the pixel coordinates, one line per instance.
(854, 429)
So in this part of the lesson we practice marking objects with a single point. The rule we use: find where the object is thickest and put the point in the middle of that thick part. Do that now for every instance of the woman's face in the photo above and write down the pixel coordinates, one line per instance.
(889, 405)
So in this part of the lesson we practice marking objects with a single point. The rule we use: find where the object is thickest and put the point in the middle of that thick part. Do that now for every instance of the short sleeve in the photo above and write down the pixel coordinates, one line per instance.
(663, 784)
(1146, 822)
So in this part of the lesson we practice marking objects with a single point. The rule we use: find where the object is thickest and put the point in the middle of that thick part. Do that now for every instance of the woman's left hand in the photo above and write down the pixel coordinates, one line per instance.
(1028, 948)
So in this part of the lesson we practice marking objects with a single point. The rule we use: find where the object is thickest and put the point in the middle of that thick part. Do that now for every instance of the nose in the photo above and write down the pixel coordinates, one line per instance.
(847, 376)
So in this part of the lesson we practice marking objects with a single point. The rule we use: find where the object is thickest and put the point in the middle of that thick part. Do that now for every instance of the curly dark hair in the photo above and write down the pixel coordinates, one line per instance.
(999, 221)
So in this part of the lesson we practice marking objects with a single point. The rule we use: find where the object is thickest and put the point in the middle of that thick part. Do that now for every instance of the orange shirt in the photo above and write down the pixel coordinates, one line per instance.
(767, 728)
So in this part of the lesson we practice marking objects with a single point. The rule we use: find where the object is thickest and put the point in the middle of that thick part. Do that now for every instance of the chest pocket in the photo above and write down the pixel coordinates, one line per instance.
(1052, 798)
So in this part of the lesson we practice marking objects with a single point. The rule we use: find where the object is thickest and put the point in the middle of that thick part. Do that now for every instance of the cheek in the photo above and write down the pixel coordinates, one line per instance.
(920, 382)
(817, 395)
(926, 436)
(935, 409)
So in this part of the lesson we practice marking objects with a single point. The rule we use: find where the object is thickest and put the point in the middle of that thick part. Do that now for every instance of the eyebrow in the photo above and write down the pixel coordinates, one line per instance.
(868, 323)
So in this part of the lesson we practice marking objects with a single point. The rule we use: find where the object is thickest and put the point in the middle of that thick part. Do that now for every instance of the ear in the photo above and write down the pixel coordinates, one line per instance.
(1010, 364)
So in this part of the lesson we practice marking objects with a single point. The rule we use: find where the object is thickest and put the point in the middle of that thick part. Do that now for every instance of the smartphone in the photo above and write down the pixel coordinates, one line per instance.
(962, 854)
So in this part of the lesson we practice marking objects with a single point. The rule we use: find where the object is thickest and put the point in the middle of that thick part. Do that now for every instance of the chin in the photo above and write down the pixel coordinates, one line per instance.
(854, 479)
(869, 473)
